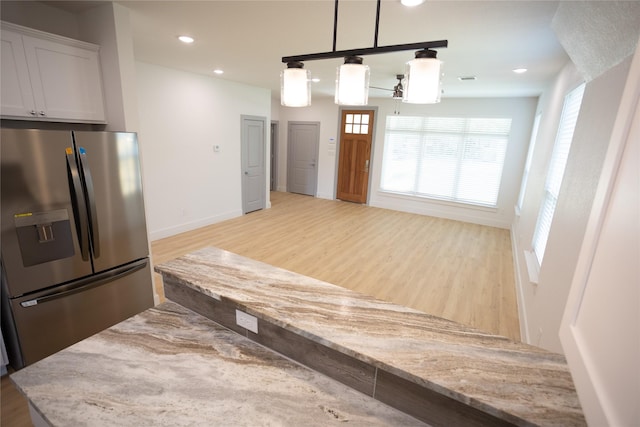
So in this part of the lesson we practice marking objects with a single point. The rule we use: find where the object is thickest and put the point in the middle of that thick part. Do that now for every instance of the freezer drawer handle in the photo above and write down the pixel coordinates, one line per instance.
(87, 284)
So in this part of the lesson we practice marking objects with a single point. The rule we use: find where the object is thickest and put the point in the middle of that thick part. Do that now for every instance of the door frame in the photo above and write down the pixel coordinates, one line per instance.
(290, 157)
(274, 132)
(373, 145)
(265, 156)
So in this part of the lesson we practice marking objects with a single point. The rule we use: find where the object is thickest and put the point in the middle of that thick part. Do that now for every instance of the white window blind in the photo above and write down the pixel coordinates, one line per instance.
(559, 157)
(457, 159)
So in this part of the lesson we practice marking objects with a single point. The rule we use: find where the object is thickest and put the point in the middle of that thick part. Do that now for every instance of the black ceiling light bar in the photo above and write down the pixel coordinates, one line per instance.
(296, 61)
(364, 51)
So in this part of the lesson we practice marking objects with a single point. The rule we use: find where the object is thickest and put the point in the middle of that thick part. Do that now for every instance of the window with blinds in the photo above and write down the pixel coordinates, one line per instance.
(568, 119)
(448, 158)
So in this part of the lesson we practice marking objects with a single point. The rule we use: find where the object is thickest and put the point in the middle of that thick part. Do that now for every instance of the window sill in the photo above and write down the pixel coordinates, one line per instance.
(417, 198)
(533, 268)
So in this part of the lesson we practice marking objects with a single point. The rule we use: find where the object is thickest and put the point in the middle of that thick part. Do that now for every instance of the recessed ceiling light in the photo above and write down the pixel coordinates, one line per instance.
(411, 3)
(186, 39)
(519, 70)
(218, 71)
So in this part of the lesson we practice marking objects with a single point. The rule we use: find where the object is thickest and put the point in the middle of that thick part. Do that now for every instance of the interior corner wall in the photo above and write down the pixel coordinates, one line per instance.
(182, 116)
(108, 25)
(41, 16)
(542, 305)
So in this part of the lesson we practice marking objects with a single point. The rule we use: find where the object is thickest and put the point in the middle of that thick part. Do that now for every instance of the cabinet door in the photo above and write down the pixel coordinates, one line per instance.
(66, 81)
(17, 96)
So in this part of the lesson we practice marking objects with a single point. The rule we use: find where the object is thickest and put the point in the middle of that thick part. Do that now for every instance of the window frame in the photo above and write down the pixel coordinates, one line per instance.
(467, 134)
(555, 171)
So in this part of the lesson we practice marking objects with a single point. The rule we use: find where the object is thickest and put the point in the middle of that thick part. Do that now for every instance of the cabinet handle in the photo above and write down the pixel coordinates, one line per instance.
(42, 113)
(33, 112)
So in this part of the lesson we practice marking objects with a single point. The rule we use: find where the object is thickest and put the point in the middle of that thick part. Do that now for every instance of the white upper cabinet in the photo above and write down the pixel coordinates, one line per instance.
(17, 96)
(49, 78)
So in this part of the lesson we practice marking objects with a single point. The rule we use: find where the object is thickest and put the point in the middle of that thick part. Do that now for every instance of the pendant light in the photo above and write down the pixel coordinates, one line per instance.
(295, 85)
(352, 82)
(423, 84)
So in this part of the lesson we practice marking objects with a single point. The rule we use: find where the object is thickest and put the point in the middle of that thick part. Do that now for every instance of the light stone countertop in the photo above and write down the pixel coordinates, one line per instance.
(513, 381)
(169, 366)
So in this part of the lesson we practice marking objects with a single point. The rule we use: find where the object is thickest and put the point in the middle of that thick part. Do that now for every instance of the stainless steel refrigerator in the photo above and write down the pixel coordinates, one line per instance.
(74, 240)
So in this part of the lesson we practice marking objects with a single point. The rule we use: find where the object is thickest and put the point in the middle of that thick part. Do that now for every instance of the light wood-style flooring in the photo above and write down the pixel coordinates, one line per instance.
(456, 270)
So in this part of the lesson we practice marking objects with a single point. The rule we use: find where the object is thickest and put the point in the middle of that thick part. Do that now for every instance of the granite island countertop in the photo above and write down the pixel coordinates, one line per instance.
(512, 382)
(169, 366)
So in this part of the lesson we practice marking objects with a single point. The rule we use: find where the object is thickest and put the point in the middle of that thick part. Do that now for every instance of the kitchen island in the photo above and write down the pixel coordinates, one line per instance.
(207, 358)
(439, 371)
(169, 366)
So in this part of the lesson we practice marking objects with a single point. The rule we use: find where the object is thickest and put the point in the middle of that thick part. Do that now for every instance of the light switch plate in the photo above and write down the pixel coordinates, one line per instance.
(247, 321)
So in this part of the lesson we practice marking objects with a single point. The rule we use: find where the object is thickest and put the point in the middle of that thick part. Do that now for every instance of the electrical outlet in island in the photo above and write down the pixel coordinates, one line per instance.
(247, 321)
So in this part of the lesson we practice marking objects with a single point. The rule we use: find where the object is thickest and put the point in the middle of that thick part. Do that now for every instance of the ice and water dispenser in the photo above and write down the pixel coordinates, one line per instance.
(44, 236)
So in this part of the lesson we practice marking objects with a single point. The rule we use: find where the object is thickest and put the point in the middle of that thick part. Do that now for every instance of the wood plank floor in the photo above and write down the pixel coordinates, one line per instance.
(456, 270)
(15, 412)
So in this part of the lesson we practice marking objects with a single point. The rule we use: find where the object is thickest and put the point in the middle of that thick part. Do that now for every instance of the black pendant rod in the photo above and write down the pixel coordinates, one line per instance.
(375, 37)
(364, 51)
(335, 25)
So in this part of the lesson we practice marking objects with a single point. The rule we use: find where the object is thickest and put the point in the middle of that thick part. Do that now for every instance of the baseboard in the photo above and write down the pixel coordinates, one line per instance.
(522, 309)
(325, 196)
(424, 210)
(188, 226)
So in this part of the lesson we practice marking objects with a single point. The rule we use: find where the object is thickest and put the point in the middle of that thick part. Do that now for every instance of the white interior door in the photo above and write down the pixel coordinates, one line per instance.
(302, 164)
(253, 163)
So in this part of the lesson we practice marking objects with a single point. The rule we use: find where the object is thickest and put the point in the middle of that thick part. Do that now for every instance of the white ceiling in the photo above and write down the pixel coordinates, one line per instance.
(247, 39)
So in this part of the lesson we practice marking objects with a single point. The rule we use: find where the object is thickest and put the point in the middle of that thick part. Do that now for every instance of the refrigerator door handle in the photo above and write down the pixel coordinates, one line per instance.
(86, 284)
(91, 199)
(78, 203)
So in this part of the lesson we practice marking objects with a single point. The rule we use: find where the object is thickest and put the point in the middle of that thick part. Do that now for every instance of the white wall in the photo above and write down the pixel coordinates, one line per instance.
(521, 110)
(108, 25)
(600, 329)
(41, 16)
(322, 110)
(581, 30)
(541, 305)
(182, 116)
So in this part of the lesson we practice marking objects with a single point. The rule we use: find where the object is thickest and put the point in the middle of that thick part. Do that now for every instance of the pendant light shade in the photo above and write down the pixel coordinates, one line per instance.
(423, 84)
(295, 86)
(352, 82)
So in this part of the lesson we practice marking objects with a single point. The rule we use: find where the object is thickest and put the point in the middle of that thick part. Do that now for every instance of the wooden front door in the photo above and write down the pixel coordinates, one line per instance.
(356, 135)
